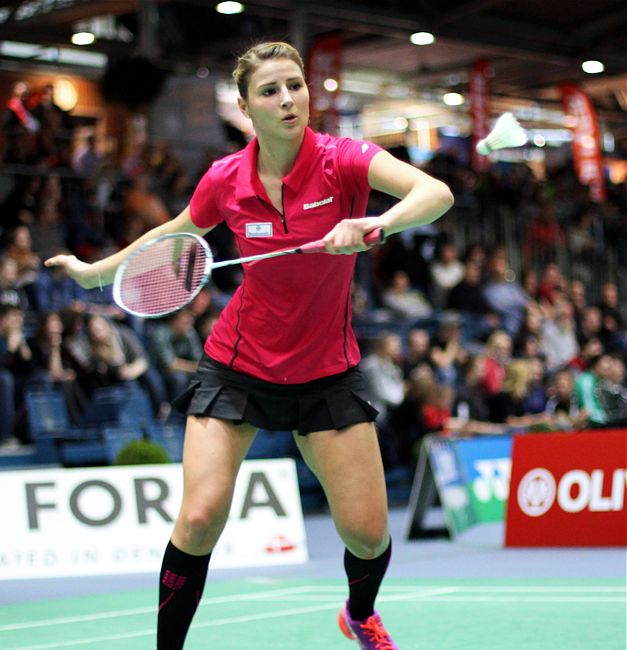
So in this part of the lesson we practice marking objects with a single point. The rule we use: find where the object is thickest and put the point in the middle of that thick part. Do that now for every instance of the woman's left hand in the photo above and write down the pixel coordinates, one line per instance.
(347, 236)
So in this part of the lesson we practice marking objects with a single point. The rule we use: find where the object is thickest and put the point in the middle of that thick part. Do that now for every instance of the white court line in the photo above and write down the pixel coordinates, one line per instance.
(435, 594)
(149, 610)
(214, 623)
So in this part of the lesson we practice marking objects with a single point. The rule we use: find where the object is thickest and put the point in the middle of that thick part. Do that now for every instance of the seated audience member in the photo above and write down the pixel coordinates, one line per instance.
(613, 394)
(384, 381)
(447, 352)
(471, 412)
(505, 296)
(590, 325)
(418, 351)
(552, 285)
(175, 348)
(446, 272)
(559, 338)
(498, 352)
(115, 355)
(403, 300)
(507, 406)
(383, 373)
(54, 290)
(588, 386)
(437, 407)
(467, 295)
(10, 292)
(16, 365)
(577, 296)
(19, 248)
(531, 327)
(52, 364)
(536, 398)
(562, 404)
(613, 332)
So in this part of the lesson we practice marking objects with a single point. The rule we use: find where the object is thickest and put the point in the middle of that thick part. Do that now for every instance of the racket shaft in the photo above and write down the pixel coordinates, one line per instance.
(376, 236)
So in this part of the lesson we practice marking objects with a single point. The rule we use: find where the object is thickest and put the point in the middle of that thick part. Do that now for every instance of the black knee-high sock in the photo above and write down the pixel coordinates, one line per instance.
(181, 584)
(364, 580)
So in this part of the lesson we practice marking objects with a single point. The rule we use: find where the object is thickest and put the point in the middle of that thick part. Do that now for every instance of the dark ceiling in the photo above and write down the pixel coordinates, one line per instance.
(532, 44)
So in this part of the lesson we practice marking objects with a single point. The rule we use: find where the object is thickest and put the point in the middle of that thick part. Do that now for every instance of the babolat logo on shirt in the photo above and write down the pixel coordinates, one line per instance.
(317, 204)
(258, 230)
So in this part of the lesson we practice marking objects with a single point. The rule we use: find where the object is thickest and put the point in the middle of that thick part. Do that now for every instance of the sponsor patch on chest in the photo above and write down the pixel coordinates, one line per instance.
(258, 230)
(317, 204)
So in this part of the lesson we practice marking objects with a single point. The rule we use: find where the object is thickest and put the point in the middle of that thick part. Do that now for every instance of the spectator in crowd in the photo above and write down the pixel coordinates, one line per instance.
(536, 398)
(562, 404)
(471, 402)
(590, 326)
(553, 285)
(19, 247)
(54, 125)
(54, 290)
(498, 352)
(175, 347)
(507, 406)
(505, 296)
(559, 338)
(144, 205)
(87, 161)
(588, 385)
(447, 352)
(613, 333)
(384, 382)
(52, 365)
(530, 282)
(20, 205)
(417, 352)
(16, 364)
(612, 393)
(531, 327)
(446, 272)
(115, 355)
(403, 301)
(10, 292)
(17, 114)
(577, 296)
(467, 294)
(437, 407)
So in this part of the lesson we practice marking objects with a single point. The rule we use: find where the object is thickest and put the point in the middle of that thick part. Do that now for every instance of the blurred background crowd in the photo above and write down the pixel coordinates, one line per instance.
(506, 315)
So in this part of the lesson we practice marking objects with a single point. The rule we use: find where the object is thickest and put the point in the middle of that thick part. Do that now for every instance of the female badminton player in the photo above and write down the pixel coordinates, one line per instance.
(282, 355)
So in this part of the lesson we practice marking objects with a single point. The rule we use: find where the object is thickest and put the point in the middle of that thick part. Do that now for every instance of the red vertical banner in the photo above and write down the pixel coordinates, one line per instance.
(586, 144)
(324, 63)
(479, 110)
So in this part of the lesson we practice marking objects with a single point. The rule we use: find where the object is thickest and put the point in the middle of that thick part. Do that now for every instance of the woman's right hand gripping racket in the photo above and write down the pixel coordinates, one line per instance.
(168, 272)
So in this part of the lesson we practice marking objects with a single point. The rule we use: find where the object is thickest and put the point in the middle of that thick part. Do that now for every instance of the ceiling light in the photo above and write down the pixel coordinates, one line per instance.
(83, 38)
(330, 85)
(453, 99)
(229, 7)
(422, 38)
(592, 67)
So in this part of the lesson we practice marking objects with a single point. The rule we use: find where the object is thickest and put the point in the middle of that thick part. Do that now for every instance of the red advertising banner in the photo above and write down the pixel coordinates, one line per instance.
(479, 110)
(568, 489)
(324, 63)
(582, 120)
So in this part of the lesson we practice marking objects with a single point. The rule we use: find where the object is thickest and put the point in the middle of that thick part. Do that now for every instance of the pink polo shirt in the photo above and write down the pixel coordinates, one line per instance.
(290, 320)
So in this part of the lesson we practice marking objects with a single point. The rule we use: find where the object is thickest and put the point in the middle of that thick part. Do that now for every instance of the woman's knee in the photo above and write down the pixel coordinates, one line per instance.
(368, 542)
(202, 522)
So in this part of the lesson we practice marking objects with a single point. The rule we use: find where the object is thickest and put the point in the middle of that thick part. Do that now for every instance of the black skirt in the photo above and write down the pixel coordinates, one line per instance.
(333, 402)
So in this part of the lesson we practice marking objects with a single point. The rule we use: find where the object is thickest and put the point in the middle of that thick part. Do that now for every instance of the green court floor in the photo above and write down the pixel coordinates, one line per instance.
(262, 614)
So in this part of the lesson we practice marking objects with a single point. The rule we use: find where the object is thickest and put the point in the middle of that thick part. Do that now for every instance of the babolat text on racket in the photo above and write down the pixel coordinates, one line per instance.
(168, 272)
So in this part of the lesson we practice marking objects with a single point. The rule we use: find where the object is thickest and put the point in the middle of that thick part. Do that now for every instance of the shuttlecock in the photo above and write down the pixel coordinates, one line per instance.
(507, 132)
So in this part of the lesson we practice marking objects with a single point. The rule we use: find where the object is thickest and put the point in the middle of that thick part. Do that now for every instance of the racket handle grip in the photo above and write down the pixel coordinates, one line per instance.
(376, 236)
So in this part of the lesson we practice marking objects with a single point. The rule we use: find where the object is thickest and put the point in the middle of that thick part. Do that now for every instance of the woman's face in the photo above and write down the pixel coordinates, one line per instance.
(98, 329)
(278, 100)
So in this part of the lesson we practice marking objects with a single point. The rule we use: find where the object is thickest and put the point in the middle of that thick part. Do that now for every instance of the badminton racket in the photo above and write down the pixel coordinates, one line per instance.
(168, 272)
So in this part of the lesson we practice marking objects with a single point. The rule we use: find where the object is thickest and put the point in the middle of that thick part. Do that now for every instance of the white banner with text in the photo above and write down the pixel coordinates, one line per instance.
(114, 520)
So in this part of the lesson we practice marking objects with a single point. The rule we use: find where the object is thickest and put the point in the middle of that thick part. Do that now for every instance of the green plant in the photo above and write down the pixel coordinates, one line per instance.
(142, 452)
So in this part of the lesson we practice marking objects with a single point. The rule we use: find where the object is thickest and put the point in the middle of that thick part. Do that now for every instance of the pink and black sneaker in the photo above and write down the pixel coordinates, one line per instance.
(370, 634)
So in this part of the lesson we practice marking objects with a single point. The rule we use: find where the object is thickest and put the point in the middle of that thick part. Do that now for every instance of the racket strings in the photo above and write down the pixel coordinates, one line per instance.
(163, 277)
